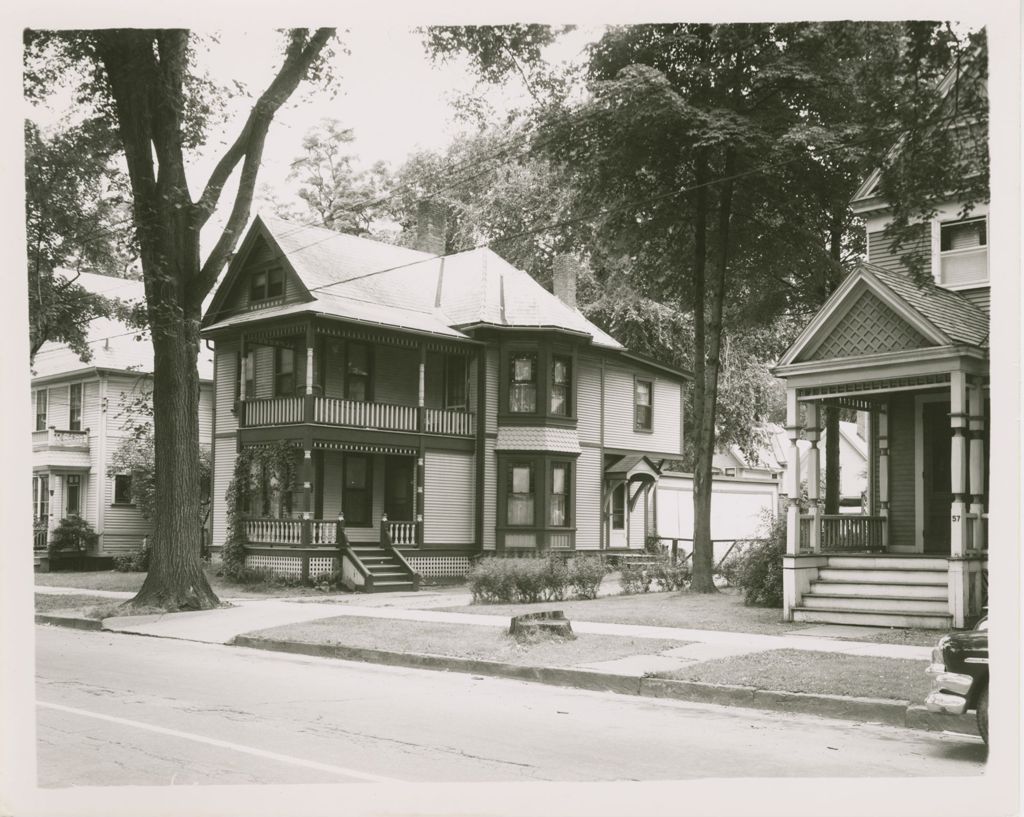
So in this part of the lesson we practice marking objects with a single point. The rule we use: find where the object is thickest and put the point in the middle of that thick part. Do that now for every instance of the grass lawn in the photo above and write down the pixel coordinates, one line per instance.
(464, 641)
(698, 611)
(88, 606)
(911, 636)
(815, 672)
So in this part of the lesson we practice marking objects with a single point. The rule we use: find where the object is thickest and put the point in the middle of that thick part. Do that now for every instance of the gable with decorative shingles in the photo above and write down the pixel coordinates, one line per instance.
(869, 327)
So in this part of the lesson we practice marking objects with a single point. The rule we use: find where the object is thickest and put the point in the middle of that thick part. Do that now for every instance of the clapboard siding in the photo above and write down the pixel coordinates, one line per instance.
(666, 436)
(491, 397)
(449, 498)
(226, 367)
(981, 298)
(224, 458)
(121, 543)
(91, 409)
(588, 499)
(396, 375)
(57, 408)
(490, 494)
(206, 414)
(880, 251)
(902, 471)
(588, 402)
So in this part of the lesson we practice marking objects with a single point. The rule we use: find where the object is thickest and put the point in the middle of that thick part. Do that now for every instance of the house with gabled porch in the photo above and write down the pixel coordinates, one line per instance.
(913, 357)
(439, 407)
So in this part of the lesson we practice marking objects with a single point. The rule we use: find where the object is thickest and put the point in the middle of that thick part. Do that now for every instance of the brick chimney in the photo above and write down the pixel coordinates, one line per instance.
(564, 269)
(431, 226)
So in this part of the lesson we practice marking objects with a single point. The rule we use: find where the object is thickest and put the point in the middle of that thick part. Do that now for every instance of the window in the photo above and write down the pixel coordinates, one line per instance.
(357, 372)
(963, 252)
(122, 489)
(455, 391)
(355, 497)
(284, 372)
(266, 284)
(73, 484)
(619, 506)
(41, 410)
(520, 494)
(522, 397)
(41, 496)
(561, 386)
(249, 373)
(75, 399)
(642, 405)
(558, 507)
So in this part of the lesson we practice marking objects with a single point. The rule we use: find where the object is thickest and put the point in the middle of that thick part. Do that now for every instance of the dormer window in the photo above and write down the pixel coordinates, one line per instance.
(266, 284)
(961, 256)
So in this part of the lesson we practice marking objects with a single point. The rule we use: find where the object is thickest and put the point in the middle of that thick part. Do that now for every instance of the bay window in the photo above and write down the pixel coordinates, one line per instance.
(558, 504)
(523, 385)
(561, 385)
(521, 497)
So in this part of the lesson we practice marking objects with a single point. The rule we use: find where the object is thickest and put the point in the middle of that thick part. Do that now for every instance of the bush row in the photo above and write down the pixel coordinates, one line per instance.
(531, 580)
(639, 578)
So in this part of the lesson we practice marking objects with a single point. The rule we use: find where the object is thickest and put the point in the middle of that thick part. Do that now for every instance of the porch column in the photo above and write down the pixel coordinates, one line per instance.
(310, 362)
(307, 502)
(243, 369)
(421, 400)
(958, 465)
(418, 499)
(812, 432)
(977, 463)
(793, 474)
(883, 473)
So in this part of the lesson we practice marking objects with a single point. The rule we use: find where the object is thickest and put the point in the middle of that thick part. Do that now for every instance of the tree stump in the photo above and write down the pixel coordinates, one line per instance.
(549, 623)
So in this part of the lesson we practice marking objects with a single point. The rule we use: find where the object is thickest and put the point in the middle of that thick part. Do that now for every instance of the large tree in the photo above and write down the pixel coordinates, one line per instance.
(146, 84)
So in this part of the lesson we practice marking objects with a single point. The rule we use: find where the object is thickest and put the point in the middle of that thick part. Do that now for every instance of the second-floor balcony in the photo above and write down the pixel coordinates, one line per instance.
(60, 448)
(276, 411)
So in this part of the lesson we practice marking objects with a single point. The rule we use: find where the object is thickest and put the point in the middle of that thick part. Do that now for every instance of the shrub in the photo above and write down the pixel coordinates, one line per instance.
(523, 580)
(584, 576)
(135, 562)
(757, 568)
(671, 577)
(73, 534)
(635, 578)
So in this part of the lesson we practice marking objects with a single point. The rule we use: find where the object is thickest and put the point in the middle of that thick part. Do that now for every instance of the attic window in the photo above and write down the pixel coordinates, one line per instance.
(267, 283)
(961, 254)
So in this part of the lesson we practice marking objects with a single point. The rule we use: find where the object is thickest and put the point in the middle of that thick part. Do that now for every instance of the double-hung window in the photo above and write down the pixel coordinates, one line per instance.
(643, 405)
(122, 489)
(963, 252)
(41, 496)
(558, 501)
(521, 494)
(561, 386)
(75, 407)
(73, 489)
(41, 409)
(357, 372)
(265, 284)
(522, 397)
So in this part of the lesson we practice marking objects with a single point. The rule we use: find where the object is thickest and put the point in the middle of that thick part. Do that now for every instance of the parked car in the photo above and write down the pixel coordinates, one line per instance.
(959, 672)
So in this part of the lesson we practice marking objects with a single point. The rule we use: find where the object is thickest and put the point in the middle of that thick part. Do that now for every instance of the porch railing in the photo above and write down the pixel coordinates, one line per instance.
(356, 414)
(332, 411)
(441, 421)
(275, 531)
(39, 539)
(402, 534)
(274, 411)
(845, 532)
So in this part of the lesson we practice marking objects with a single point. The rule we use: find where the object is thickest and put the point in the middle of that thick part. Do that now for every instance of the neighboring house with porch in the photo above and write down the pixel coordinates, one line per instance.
(79, 410)
(914, 359)
(441, 407)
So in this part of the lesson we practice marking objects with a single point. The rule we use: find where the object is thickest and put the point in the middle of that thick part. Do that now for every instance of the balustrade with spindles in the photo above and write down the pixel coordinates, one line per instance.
(356, 414)
(845, 532)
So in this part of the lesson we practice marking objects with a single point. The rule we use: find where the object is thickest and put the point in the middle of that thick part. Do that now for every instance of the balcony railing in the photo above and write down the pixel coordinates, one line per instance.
(844, 532)
(292, 532)
(60, 439)
(356, 414)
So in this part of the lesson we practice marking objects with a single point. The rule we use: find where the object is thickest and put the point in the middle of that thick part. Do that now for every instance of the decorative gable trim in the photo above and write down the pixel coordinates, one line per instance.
(868, 327)
(836, 308)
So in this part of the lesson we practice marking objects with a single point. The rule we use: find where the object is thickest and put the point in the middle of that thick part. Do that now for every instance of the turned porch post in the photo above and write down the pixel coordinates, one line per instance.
(883, 473)
(958, 464)
(793, 474)
(977, 462)
(812, 433)
(309, 408)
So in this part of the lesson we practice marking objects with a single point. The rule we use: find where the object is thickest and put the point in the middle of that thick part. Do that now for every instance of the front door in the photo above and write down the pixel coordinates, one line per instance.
(617, 517)
(937, 495)
(399, 488)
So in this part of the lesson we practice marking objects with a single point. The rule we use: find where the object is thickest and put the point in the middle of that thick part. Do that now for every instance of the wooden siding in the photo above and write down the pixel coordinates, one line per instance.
(880, 250)
(224, 458)
(588, 499)
(123, 525)
(588, 401)
(91, 410)
(226, 368)
(490, 494)
(902, 471)
(449, 498)
(665, 437)
(121, 390)
(491, 396)
(262, 254)
(396, 375)
(57, 406)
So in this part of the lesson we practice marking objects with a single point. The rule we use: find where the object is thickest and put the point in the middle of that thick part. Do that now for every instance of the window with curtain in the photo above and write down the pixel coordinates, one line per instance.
(642, 414)
(561, 385)
(520, 494)
(284, 372)
(75, 407)
(558, 515)
(522, 396)
(356, 490)
(357, 372)
(41, 409)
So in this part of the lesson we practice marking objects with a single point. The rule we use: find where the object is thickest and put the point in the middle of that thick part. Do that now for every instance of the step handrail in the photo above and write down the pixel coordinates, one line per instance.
(345, 550)
(395, 553)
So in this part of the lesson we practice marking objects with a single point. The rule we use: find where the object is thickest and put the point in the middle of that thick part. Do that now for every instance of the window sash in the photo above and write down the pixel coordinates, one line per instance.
(41, 408)
(122, 489)
(41, 496)
(521, 501)
(558, 506)
(275, 282)
(971, 234)
(74, 497)
(522, 393)
(75, 407)
(642, 403)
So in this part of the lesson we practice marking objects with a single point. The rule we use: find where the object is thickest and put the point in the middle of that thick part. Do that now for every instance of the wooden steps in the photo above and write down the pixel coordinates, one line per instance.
(388, 575)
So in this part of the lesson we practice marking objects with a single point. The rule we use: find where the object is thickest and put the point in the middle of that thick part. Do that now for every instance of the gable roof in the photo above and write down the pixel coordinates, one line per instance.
(113, 343)
(372, 282)
(941, 316)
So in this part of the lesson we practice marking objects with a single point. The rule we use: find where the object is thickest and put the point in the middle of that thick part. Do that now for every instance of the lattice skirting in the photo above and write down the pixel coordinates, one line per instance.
(431, 566)
(322, 565)
(282, 565)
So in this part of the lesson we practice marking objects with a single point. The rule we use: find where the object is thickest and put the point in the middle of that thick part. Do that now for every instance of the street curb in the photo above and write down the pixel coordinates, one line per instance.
(73, 622)
(892, 713)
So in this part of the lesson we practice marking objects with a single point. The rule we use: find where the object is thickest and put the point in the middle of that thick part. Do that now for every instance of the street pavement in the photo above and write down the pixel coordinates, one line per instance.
(115, 710)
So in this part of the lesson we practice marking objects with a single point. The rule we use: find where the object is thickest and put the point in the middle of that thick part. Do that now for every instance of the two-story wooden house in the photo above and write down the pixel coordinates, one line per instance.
(80, 410)
(915, 359)
(443, 406)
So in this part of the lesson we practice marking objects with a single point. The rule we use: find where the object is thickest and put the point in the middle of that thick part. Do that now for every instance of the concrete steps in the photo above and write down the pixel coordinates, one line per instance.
(883, 591)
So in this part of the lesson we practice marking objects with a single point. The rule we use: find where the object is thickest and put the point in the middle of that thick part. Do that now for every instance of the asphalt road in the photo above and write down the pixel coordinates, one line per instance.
(129, 710)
